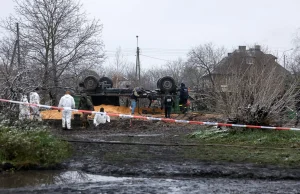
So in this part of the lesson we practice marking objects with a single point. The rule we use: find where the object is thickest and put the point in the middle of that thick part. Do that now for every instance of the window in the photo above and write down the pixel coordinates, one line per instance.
(224, 88)
(250, 60)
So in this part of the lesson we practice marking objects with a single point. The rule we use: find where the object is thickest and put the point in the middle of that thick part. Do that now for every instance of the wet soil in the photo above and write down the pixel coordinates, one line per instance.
(154, 149)
(152, 155)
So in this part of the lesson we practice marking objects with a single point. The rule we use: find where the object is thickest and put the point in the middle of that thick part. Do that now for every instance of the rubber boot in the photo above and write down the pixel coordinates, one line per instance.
(83, 124)
(87, 124)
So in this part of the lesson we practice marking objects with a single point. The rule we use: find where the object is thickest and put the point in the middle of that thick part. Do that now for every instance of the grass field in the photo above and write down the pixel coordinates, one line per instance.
(250, 146)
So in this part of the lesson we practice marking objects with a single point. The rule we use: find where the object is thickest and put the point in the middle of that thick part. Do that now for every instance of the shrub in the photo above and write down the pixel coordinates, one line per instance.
(31, 146)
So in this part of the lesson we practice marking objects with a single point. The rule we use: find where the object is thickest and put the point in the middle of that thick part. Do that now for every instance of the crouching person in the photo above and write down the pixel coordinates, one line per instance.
(101, 117)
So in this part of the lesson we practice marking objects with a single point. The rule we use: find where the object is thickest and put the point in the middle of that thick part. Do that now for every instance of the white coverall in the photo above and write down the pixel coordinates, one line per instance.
(35, 99)
(66, 102)
(24, 109)
(101, 117)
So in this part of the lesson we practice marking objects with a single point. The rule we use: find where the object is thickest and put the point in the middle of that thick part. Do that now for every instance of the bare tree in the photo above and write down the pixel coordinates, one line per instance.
(175, 69)
(193, 76)
(117, 67)
(207, 57)
(258, 93)
(155, 74)
(13, 79)
(15, 82)
(293, 60)
(60, 37)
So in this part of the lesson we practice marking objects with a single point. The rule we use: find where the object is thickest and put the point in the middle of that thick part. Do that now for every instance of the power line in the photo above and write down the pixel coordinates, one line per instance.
(150, 50)
(163, 52)
(110, 55)
(153, 49)
(169, 49)
(155, 58)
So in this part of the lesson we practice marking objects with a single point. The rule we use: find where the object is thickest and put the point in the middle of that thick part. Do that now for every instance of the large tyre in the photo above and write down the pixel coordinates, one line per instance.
(158, 83)
(167, 84)
(107, 80)
(90, 82)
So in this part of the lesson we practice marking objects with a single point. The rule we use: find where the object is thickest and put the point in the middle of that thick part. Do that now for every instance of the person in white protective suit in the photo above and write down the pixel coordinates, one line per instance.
(101, 117)
(24, 109)
(67, 102)
(34, 98)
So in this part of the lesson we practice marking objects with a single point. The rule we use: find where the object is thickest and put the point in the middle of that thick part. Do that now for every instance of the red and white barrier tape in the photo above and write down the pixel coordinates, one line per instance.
(153, 118)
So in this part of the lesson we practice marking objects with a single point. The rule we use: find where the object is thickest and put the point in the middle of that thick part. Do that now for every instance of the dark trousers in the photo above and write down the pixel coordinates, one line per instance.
(297, 118)
(182, 105)
(168, 112)
(85, 121)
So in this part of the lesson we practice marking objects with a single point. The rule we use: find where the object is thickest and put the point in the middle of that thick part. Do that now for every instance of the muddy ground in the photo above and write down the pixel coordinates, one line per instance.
(153, 148)
(157, 151)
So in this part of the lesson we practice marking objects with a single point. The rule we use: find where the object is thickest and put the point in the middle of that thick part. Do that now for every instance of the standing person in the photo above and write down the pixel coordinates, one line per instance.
(67, 102)
(85, 104)
(101, 117)
(34, 98)
(168, 104)
(183, 98)
(134, 98)
(297, 107)
(24, 109)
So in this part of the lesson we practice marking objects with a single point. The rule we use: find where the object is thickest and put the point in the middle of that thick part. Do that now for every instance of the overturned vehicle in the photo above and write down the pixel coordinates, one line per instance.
(101, 91)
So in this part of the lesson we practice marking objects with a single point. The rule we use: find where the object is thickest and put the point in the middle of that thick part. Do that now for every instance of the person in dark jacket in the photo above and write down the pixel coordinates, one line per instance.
(168, 103)
(85, 104)
(297, 107)
(134, 98)
(183, 98)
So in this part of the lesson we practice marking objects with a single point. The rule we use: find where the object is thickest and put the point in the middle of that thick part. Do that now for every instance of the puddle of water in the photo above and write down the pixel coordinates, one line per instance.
(43, 178)
(79, 182)
(81, 177)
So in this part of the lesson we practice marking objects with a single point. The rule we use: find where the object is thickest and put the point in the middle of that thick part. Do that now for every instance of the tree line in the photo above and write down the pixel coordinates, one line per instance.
(57, 45)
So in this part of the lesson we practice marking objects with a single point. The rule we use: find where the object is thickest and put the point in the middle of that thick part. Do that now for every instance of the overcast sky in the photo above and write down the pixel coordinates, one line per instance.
(168, 29)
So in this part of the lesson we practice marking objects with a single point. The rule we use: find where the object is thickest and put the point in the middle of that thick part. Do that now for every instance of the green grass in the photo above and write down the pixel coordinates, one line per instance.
(256, 137)
(33, 147)
(249, 146)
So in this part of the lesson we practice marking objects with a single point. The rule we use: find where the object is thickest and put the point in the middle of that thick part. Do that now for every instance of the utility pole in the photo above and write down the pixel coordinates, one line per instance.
(138, 66)
(16, 49)
(18, 44)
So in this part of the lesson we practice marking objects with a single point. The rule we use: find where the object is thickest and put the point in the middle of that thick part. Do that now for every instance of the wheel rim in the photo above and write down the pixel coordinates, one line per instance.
(90, 83)
(167, 85)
